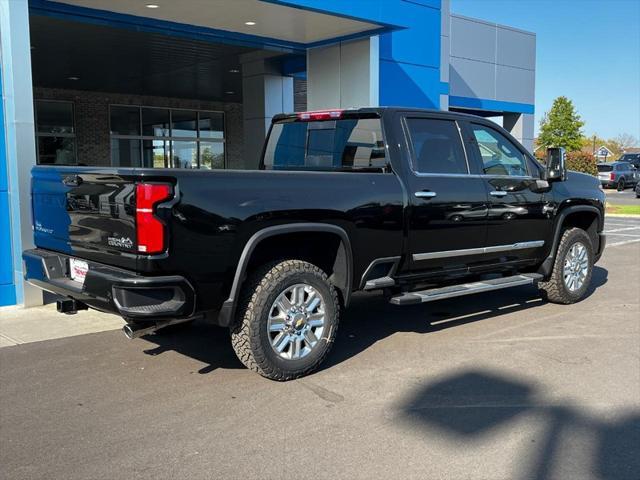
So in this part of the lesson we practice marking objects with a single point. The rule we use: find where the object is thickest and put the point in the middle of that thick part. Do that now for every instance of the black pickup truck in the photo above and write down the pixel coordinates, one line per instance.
(420, 205)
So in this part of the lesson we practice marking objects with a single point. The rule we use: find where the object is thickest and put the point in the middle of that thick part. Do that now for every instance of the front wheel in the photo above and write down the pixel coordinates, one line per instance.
(287, 320)
(572, 268)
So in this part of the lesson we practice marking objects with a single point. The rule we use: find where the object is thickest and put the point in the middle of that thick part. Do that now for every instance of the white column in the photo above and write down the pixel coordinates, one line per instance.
(521, 126)
(20, 134)
(265, 93)
(344, 75)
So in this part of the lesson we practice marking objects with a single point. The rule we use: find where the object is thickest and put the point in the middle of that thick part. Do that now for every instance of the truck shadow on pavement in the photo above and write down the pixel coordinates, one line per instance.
(201, 341)
(211, 345)
(472, 406)
(383, 319)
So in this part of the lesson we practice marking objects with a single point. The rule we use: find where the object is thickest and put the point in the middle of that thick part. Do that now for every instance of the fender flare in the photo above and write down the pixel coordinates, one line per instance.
(228, 310)
(547, 265)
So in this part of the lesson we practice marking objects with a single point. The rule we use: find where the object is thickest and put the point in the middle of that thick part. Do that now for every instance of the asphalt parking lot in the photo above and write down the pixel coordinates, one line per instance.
(626, 197)
(494, 386)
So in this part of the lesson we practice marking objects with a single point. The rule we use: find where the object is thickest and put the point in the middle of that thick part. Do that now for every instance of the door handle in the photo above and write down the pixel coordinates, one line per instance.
(425, 194)
(498, 193)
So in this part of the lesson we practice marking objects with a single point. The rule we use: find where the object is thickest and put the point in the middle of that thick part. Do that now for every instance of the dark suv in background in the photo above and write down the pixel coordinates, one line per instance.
(632, 158)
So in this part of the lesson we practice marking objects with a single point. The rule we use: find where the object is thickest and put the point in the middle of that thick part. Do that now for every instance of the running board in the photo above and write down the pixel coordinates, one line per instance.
(423, 296)
(382, 282)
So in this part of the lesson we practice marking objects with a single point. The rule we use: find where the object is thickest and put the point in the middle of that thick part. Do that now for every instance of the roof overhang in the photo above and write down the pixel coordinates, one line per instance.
(269, 24)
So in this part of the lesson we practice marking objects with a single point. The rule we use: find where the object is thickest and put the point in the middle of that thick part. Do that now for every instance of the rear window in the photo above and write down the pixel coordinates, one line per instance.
(605, 168)
(343, 145)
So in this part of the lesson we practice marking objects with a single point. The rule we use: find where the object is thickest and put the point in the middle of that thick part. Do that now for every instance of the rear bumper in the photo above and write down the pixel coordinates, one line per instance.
(112, 289)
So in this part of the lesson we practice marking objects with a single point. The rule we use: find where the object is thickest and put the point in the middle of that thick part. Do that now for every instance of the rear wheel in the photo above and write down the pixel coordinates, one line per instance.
(572, 269)
(621, 185)
(287, 320)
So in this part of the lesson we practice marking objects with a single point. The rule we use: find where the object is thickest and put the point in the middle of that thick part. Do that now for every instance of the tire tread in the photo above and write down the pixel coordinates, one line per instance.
(245, 332)
(554, 289)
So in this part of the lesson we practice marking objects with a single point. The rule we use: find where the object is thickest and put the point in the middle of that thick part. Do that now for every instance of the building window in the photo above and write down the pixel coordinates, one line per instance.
(166, 138)
(55, 133)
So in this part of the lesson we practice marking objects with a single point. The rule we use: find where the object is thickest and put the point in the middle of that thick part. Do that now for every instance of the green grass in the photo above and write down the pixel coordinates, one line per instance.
(623, 209)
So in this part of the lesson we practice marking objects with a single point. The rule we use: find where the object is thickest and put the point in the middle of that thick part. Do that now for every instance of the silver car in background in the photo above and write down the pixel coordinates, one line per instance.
(617, 175)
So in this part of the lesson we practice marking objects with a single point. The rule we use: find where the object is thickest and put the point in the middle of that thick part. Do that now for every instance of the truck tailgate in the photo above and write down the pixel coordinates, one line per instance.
(85, 212)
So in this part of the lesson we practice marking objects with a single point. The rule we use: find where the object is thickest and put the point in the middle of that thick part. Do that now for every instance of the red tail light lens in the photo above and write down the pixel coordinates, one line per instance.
(150, 230)
(320, 115)
(612, 176)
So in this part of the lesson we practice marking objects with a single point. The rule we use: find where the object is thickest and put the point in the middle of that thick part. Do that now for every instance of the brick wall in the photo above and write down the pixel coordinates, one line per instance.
(92, 120)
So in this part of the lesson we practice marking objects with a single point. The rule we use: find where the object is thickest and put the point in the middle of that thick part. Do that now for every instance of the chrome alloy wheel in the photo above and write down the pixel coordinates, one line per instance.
(576, 266)
(296, 321)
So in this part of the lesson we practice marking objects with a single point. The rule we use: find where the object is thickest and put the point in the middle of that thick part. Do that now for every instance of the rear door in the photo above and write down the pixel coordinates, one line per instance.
(518, 222)
(448, 203)
(86, 213)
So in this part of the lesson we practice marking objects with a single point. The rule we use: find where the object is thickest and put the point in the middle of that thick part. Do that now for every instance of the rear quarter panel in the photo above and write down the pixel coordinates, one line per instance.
(217, 212)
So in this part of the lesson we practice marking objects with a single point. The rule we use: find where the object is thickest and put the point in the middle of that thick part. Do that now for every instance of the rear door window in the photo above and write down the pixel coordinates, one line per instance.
(437, 147)
(343, 145)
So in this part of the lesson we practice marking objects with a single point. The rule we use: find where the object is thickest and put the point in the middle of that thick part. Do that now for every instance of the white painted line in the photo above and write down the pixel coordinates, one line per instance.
(625, 235)
(622, 229)
(548, 337)
(626, 242)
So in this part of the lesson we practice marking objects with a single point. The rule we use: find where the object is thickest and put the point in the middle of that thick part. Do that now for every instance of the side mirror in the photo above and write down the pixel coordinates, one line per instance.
(556, 169)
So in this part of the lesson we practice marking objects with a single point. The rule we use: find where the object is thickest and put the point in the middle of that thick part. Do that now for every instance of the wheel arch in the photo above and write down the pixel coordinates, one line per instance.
(587, 217)
(342, 275)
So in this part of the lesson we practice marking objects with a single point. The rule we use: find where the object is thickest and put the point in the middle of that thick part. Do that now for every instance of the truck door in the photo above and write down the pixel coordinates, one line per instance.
(448, 202)
(518, 223)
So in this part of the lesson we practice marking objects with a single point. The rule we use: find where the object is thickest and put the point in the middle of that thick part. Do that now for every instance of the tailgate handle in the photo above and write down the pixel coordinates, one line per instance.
(72, 180)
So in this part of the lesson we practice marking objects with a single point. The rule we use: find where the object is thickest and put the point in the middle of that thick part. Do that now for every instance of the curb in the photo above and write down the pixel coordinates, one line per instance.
(621, 215)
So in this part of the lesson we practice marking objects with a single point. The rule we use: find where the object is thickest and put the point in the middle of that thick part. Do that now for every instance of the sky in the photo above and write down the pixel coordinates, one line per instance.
(587, 50)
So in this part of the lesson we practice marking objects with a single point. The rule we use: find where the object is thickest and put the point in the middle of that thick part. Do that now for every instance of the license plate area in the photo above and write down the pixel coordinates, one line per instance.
(78, 270)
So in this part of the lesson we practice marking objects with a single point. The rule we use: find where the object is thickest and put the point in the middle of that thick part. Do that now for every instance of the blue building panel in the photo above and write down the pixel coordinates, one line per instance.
(410, 58)
(419, 43)
(7, 287)
(405, 85)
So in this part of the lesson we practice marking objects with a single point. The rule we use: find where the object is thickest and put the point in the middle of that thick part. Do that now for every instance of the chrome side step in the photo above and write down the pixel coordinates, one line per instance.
(382, 282)
(423, 296)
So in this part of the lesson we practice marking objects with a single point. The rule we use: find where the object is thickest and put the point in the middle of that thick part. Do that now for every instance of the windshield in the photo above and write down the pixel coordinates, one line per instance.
(345, 145)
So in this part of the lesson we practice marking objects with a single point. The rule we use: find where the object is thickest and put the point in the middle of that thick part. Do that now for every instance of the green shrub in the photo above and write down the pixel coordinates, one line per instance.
(582, 162)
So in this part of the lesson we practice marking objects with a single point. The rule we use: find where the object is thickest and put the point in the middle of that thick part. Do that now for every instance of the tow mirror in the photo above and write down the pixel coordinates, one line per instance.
(556, 169)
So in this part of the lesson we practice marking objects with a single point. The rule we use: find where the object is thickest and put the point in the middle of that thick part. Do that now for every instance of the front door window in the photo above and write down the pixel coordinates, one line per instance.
(499, 155)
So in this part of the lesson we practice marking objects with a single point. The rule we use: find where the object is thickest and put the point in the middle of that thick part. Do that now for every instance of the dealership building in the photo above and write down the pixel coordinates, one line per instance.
(194, 83)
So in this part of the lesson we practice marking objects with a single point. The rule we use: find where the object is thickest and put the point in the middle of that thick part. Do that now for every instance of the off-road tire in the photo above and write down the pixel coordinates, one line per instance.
(249, 336)
(555, 290)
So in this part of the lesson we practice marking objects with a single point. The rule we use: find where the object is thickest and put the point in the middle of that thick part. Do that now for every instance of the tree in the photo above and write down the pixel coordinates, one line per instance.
(561, 126)
(622, 142)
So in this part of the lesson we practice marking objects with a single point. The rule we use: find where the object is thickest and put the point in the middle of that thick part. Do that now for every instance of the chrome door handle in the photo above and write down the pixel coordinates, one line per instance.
(424, 194)
(498, 193)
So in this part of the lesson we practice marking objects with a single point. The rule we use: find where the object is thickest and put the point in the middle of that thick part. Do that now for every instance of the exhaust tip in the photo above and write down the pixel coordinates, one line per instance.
(128, 332)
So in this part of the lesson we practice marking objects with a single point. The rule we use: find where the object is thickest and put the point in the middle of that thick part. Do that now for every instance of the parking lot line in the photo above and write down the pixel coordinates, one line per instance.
(625, 242)
(622, 229)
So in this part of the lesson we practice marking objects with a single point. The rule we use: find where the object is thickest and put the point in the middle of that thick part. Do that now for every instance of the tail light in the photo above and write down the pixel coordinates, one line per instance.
(150, 229)
(612, 176)
(320, 115)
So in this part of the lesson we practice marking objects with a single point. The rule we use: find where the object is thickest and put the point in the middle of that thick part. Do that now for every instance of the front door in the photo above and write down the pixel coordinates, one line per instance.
(518, 219)
(448, 212)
